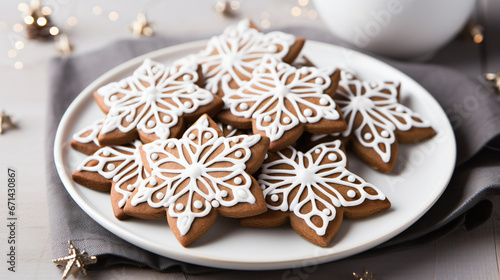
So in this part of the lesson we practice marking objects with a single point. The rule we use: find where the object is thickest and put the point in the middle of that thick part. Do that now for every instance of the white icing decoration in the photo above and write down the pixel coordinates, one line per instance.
(179, 207)
(323, 101)
(195, 164)
(244, 106)
(154, 156)
(238, 181)
(171, 145)
(111, 167)
(229, 130)
(332, 157)
(380, 111)
(319, 177)
(351, 178)
(94, 129)
(198, 204)
(274, 197)
(351, 193)
(192, 136)
(153, 182)
(154, 95)
(238, 154)
(208, 135)
(266, 94)
(242, 193)
(368, 136)
(127, 166)
(287, 120)
(239, 50)
(160, 195)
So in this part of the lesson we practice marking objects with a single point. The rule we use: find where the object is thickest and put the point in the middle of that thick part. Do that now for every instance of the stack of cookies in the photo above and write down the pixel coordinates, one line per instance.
(237, 130)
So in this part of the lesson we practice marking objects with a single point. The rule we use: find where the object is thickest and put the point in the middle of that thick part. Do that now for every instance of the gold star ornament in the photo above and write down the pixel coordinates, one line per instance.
(140, 26)
(37, 20)
(493, 80)
(74, 262)
(6, 120)
(366, 275)
(63, 45)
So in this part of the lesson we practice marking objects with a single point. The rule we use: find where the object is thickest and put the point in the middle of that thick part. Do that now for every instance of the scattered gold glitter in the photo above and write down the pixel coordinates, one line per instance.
(19, 45)
(54, 30)
(296, 11)
(41, 21)
(266, 24)
(312, 14)
(303, 2)
(97, 10)
(29, 20)
(113, 16)
(18, 65)
(18, 27)
(46, 11)
(72, 21)
(12, 53)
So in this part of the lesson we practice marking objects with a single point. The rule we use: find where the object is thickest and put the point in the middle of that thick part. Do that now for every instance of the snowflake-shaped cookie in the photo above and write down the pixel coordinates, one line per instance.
(229, 59)
(200, 175)
(154, 101)
(117, 169)
(281, 101)
(314, 190)
(376, 121)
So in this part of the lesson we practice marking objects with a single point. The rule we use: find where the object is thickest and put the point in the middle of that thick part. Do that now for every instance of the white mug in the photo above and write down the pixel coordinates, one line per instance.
(404, 29)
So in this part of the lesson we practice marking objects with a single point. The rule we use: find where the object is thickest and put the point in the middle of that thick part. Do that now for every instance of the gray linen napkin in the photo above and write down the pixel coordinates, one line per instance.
(464, 204)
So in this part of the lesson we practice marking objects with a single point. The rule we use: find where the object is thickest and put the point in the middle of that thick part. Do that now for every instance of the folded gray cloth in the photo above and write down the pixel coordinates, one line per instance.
(473, 111)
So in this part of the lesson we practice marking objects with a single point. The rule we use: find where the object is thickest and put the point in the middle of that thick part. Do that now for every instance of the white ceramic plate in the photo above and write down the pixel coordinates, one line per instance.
(421, 175)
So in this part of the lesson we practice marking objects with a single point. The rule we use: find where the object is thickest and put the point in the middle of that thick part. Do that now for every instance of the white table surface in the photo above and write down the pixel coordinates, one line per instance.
(24, 94)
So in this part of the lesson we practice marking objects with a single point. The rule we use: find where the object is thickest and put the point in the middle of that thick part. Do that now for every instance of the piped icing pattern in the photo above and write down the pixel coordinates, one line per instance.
(234, 54)
(381, 114)
(89, 133)
(121, 164)
(279, 97)
(205, 167)
(318, 179)
(154, 98)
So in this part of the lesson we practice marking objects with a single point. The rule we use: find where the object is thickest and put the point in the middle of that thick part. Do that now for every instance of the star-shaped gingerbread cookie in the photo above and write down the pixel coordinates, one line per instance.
(229, 59)
(281, 102)
(201, 175)
(154, 102)
(377, 121)
(314, 191)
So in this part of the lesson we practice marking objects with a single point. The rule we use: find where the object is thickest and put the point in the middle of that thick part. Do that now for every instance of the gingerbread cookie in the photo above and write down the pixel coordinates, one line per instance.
(281, 102)
(314, 191)
(229, 59)
(201, 175)
(154, 102)
(376, 121)
(117, 169)
(85, 141)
